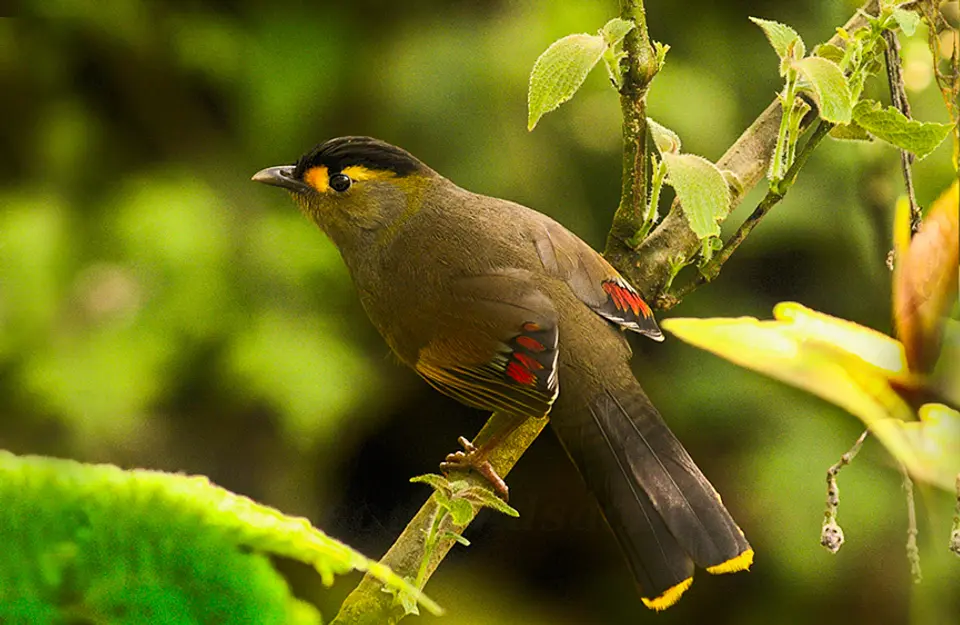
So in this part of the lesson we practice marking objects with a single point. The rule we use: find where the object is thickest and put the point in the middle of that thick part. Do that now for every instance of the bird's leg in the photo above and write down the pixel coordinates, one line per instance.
(475, 457)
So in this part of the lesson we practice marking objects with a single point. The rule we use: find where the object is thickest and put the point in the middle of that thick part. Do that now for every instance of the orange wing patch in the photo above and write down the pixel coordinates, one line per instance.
(626, 308)
(626, 299)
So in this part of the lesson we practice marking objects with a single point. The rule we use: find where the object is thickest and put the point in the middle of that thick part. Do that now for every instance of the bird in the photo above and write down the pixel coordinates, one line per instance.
(502, 308)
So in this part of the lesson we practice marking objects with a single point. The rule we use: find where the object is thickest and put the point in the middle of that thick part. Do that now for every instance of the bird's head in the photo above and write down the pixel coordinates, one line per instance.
(353, 184)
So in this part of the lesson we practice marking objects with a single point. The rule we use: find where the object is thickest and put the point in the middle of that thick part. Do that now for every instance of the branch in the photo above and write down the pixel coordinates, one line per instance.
(649, 268)
(638, 68)
(898, 95)
(367, 604)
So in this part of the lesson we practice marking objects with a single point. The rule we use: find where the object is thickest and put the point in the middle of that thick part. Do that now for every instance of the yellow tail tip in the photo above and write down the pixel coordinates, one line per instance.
(741, 563)
(669, 597)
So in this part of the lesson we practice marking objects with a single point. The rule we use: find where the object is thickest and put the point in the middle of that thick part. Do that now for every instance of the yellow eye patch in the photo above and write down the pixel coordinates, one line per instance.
(319, 177)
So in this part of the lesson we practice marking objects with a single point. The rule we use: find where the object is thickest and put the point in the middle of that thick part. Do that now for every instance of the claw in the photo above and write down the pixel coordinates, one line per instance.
(474, 458)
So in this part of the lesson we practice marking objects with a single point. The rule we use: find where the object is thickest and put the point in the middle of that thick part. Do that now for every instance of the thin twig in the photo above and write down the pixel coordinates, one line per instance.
(712, 269)
(831, 534)
(898, 95)
(913, 552)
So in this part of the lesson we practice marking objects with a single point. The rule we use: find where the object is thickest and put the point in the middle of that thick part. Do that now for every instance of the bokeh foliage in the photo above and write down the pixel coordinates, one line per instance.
(157, 309)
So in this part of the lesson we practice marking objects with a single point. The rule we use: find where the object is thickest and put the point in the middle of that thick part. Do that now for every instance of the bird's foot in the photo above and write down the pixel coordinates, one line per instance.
(473, 457)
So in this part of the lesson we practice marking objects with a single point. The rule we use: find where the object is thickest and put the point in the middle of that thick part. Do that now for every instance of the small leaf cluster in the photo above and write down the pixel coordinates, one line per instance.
(459, 501)
(834, 78)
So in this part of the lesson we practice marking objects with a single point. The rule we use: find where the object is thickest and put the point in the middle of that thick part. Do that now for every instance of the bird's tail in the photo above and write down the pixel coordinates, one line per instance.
(665, 514)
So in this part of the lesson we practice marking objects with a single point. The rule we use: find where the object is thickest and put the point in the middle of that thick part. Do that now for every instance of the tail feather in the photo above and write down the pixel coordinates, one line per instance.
(663, 511)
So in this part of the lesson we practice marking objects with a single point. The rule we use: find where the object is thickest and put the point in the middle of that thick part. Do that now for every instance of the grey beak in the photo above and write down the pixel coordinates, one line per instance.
(281, 177)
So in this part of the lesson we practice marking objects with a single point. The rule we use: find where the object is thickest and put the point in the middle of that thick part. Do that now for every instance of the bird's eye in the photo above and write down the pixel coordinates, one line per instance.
(340, 182)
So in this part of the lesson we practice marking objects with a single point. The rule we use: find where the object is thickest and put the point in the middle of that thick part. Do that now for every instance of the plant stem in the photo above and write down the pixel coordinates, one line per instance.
(638, 68)
(913, 552)
(831, 536)
(898, 95)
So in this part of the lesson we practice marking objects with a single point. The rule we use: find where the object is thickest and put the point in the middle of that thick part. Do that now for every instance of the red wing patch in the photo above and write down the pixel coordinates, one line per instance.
(626, 308)
(626, 299)
(520, 379)
(533, 357)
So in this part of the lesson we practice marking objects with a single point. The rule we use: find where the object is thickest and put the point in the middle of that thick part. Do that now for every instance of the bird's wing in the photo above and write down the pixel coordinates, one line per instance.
(593, 280)
(495, 346)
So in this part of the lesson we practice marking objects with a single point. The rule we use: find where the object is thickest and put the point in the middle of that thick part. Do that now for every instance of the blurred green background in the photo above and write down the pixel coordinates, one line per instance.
(158, 309)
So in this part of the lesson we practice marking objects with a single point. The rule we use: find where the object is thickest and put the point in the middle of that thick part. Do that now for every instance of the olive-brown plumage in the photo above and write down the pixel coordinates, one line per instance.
(504, 309)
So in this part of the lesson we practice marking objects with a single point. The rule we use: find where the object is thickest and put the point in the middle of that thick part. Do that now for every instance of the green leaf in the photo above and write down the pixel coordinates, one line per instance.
(487, 499)
(456, 537)
(560, 71)
(825, 80)
(615, 30)
(702, 190)
(162, 543)
(436, 482)
(850, 132)
(460, 511)
(785, 40)
(890, 125)
(830, 52)
(907, 20)
(665, 139)
(660, 52)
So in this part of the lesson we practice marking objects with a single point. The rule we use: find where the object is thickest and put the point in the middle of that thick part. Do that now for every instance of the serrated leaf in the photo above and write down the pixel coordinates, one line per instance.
(830, 52)
(665, 139)
(615, 30)
(559, 72)
(907, 20)
(487, 499)
(434, 481)
(786, 41)
(91, 527)
(890, 125)
(702, 190)
(460, 511)
(825, 80)
(850, 132)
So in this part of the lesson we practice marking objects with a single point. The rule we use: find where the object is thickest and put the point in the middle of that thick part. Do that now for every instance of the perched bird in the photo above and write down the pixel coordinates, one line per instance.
(504, 309)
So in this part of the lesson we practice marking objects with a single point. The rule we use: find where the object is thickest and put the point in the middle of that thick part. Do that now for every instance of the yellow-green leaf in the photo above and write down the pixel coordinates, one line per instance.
(825, 81)
(907, 20)
(892, 126)
(785, 40)
(615, 30)
(702, 190)
(935, 441)
(665, 139)
(850, 132)
(847, 364)
(560, 71)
